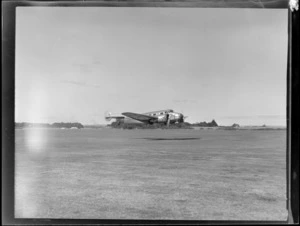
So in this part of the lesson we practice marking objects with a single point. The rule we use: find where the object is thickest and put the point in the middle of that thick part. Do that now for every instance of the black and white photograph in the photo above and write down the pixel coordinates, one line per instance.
(151, 113)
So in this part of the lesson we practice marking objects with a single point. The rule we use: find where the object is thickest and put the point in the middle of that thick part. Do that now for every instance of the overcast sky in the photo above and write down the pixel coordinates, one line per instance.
(75, 63)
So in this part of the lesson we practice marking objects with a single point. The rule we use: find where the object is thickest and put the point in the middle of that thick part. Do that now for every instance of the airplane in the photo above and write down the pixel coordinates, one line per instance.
(167, 117)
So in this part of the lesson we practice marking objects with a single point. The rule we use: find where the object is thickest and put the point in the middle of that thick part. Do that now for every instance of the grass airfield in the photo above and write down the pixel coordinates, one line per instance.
(151, 174)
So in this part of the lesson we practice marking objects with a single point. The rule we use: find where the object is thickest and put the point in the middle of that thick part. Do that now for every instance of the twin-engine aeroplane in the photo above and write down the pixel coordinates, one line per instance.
(167, 117)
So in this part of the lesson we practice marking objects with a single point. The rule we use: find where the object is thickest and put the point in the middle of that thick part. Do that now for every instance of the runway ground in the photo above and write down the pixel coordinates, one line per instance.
(151, 174)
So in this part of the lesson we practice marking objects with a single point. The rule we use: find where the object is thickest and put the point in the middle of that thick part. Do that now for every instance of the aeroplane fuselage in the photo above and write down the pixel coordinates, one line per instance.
(164, 115)
(167, 117)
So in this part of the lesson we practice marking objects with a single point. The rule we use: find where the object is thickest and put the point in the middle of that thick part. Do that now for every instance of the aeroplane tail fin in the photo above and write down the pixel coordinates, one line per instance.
(107, 116)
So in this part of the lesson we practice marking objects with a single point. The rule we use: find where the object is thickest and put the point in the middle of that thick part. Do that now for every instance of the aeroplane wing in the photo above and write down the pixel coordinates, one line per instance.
(139, 117)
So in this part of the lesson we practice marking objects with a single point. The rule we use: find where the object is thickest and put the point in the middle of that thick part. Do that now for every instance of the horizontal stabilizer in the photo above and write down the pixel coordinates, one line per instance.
(108, 116)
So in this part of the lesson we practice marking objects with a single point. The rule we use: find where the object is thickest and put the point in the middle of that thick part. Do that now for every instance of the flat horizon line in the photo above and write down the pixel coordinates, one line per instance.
(105, 124)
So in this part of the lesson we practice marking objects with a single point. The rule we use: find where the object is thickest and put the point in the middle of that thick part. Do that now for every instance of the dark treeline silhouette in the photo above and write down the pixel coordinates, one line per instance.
(95, 126)
(121, 125)
(67, 125)
(184, 125)
(206, 124)
(28, 124)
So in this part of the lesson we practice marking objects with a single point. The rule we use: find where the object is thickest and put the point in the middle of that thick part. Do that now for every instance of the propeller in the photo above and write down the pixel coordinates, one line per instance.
(171, 116)
(182, 118)
(168, 119)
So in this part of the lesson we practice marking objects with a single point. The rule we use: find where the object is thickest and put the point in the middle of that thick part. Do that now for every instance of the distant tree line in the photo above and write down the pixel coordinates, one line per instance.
(206, 124)
(67, 125)
(122, 125)
(96, 126)
(183, 125)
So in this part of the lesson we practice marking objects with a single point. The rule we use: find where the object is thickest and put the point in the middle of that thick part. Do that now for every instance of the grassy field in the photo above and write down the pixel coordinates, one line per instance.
(119, 174)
